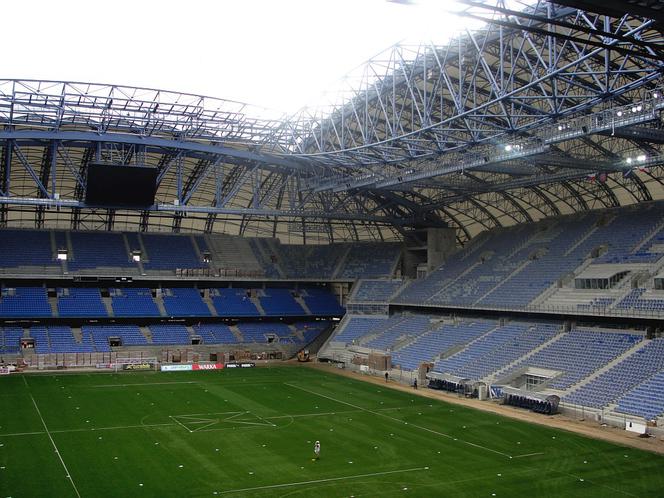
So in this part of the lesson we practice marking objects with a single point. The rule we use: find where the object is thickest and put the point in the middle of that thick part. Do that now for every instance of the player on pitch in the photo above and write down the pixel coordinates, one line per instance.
(316, 450)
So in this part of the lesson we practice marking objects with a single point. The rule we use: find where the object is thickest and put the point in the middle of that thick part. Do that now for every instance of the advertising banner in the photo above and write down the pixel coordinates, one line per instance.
(636, 427)
(208, 366)
(138, 366)
(176, 368)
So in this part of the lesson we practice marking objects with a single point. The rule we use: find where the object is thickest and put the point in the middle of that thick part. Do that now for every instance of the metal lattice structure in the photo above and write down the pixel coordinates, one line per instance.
(546, 110)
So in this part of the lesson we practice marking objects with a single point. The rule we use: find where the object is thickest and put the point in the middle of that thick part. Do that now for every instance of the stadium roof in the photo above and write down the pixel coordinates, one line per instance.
(545, 110)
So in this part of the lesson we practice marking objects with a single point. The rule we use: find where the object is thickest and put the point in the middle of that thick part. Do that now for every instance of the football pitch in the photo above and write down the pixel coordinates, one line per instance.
(250, 432)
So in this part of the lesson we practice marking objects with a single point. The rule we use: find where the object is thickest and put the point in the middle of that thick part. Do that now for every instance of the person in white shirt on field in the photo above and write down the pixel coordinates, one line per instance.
(317, 450)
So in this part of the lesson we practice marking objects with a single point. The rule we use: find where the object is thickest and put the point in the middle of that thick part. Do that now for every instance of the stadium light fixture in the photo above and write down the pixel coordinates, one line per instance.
(508, 147)
(619, 114)
(641, 158)
(628, 160)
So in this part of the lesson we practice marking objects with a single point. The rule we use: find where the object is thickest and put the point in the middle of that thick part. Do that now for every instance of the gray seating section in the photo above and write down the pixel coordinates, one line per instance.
(509, 268)
(370, 291)
(402, 328)
(357, 327)
(370, 260)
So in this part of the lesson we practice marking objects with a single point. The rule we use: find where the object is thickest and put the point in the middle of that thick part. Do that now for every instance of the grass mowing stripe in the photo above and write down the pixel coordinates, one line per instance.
(141, 384)
(65, 431)
(57, 452)
(400, 421)
(317, 481)
(147, 426)
(114, 428)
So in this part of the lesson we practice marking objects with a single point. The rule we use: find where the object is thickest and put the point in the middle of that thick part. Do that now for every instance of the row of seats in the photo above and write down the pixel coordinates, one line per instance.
(33, 302)
(98, 338)
(10, 338)
(622, 377)
(646, 400)
(24, 302)
(578, 354)
(443, 338)
(496, 350)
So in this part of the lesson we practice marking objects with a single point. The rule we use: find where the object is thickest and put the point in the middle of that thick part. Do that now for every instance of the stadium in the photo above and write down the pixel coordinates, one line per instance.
(450, 273)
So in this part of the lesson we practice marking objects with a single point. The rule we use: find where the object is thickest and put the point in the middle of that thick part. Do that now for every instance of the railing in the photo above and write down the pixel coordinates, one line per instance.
(540, 309)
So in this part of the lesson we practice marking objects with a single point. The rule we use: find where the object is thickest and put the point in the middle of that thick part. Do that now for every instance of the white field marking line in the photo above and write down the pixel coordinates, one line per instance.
(22, 434)
(302, 483)
(122, 427)
(595, 483)
(219, 429)
(342, 412)
(118, 427)
(264, 420)
(458, 481)
(401, 421)
(180, 424)
(93, 429)
(201, 382)
(57, 451)
(194, 419)
(528, 455)
(203, 427)
(235, 412)
(265, 423)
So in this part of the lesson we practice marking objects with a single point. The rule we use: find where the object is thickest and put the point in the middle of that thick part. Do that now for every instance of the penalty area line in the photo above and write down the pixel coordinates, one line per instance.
(528, 455)
(180, 424)
(331, 479)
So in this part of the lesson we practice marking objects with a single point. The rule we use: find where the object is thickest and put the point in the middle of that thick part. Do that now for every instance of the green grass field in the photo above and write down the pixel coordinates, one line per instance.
(251, 432)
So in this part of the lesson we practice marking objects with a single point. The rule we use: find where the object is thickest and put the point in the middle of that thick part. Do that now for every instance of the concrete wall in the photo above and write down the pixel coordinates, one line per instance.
(441, 243)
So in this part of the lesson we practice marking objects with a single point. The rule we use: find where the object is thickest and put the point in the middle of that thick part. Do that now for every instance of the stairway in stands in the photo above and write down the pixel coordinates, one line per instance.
(639, 345)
